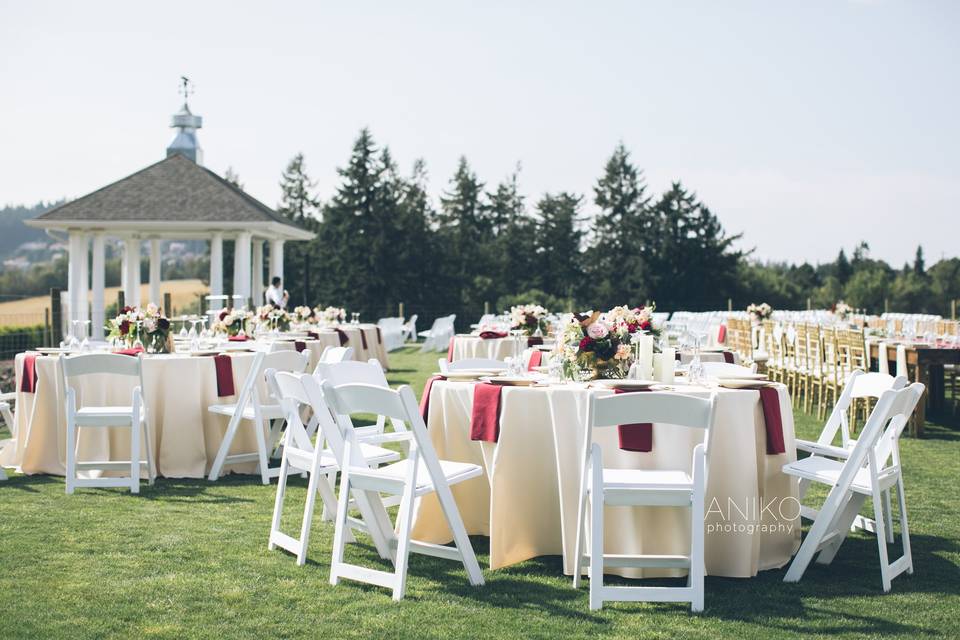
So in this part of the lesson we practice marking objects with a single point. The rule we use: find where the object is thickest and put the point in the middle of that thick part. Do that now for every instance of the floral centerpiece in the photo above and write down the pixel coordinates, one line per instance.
(304, 315)
(273, 317)
(330, 315)
(529, 318)
(842, 310)
(759, 312)
(147, 325)
(600, 343)
(232, 322)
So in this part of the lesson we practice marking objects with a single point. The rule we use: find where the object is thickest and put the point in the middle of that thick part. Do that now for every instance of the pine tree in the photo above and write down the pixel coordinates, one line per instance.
(618, 250)
(843, 269)
(558, 238)
(919, 266)
(298, 205)
(232, 177)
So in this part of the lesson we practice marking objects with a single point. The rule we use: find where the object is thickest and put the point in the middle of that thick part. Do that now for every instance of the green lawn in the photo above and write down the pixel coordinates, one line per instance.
(188, 559)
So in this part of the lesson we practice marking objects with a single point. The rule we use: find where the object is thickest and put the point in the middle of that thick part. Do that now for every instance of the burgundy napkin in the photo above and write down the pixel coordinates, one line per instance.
(773, 421)
(379, 336)
(363, 338)
(677, 356)
(133, 351)
(722, 334)
(535, 359)
(728, 357)
(313, 335)
(28, 378)
(238, 338)
(533, 341)
(485, 416)
(344, 338)
(490, 335)
(637, 436)
(224, 366)
(450, 351)
(425, 398)
(299, 345)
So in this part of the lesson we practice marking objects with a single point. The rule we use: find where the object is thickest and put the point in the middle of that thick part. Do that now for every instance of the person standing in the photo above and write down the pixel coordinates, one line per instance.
(276, 295)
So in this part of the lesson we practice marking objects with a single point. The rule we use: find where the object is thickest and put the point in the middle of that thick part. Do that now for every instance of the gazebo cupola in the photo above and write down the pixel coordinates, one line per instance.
(185, 142)
(174, 199)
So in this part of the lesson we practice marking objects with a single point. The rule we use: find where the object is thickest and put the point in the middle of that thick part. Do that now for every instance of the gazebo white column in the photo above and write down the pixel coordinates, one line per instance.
(216, 269)
(99, 304)
(131, 268)
(257, 271)
(155, 261)
(241, 266)
(276, 259)
(77, 276)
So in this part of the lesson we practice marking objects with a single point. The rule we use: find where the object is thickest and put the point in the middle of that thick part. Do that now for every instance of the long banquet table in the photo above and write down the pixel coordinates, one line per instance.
(526, 499)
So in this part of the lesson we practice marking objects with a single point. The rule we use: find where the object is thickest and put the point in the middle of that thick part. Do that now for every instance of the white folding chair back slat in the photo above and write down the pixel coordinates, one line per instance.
(420, 473)
(871, 467)
(335, 354)
(265, 415)
(133, 417)
(637, 487)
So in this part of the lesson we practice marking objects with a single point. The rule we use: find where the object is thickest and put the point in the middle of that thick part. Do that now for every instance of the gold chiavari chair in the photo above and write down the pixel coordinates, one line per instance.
(853, 349)
(817, 378)
(832, 371)
(773, 344)
(801, 396)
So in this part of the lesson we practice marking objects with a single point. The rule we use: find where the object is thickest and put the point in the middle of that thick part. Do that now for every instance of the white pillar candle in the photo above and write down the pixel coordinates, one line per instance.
(664, 364)
(645, 356)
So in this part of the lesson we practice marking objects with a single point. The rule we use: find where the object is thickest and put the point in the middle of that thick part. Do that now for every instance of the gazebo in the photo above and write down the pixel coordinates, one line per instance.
(174, 199)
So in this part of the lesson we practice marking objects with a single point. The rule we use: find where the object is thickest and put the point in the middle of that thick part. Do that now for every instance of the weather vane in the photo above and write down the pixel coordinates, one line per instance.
(186, 88)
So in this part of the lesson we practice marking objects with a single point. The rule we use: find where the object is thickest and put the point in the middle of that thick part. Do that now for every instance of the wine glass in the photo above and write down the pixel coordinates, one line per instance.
(85, 329)
(183, 327)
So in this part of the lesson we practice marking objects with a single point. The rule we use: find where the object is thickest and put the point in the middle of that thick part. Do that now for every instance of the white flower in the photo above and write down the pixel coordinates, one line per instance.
(598, 330)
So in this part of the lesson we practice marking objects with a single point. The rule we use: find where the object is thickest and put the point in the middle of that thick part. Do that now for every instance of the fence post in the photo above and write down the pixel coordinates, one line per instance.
(809, 304)
(886, 305)
(56, 319)
(953, 309)
(486, 308)
(167, 304)
(729, 304)
(400, 311)
(47, 334)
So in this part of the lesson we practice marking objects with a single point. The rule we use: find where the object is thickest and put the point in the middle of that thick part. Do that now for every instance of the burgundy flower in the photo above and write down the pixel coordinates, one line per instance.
(163, 324)
(124, 327)
(632, 327)
(646, 326)
(223, 314)
(586, 344)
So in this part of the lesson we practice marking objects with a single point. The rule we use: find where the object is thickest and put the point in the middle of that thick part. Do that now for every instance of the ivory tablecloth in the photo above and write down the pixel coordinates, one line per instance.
(526, 499)
(465, 346)
(374, 342)
(178, 388)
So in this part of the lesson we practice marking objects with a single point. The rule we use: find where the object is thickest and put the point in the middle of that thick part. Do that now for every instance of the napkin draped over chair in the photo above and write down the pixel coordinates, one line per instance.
(637, 436)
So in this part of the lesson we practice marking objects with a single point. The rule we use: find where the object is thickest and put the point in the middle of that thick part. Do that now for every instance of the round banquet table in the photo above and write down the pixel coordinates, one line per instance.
(366, 340)
(471, 346)
(178, 388)
(526, 501)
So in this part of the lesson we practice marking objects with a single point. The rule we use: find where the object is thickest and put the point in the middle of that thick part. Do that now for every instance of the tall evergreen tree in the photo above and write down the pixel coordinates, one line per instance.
(300, 206)
(558, 237)
(919, 266)
(843, 269)
(618, 250)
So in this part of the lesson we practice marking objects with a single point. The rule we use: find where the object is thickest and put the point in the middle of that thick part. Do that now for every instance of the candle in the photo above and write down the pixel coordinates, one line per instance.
(645, 356)
(664, 364)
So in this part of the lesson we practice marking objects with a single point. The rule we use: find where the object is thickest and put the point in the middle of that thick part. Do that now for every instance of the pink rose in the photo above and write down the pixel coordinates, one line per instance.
(598, 331)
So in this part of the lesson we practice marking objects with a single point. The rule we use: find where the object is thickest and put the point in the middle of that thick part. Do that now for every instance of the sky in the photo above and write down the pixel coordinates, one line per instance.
(805, 126)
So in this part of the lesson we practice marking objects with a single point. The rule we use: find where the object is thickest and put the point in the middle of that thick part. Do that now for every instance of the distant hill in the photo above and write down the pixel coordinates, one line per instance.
(13, 232)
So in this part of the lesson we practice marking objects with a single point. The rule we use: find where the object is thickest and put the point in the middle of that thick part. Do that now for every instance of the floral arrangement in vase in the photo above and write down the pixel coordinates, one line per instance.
(273, 317)
(232, 322)
(330, 315)
(146, 324)
(597, 345)
(842, 310)
(759, 312)
(304, 315)
(529, 318)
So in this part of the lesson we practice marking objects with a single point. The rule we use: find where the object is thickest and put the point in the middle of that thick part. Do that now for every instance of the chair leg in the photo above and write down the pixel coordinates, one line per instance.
(278, 502)
(151, 463)
(217, 467)
(135, 454)
(71, 455)
(340, 526)
(881, 525)
(904, 528)
(596, 531)
(888, 513)
(581, 530)
(697, 562)
(404, 524)
(260, 427)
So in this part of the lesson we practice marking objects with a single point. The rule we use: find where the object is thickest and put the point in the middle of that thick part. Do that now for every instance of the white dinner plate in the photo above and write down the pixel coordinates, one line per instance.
(50, 350)
(628, 385)
(511, 381)
(741, 383)
(733, 375)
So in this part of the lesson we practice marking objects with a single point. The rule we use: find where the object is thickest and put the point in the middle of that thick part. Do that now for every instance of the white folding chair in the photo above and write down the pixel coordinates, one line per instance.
(7, 415)
(418, 475)
(641, 487)
(263, 416)
(410, 329)
(301, 456)
(336, 354)
(470, 363)
(872, 467)
(369, 372)
(437, 338)
(132, 417)
(859, 385)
